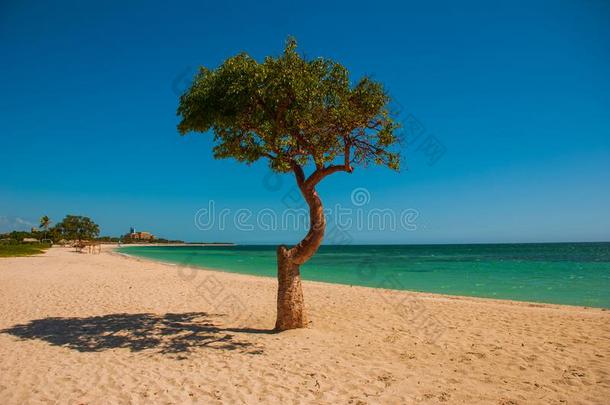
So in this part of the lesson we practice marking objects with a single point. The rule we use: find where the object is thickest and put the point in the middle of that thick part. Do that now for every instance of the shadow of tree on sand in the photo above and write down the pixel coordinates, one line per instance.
(168, 334)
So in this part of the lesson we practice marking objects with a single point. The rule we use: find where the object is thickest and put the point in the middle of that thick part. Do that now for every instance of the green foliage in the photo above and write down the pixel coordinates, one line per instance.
(71, 228)
(55, 234)
(126, 240)
(291, 111)
(74, 227)
(22, 249)
(108, 239)
(45, 222)
(18, 236)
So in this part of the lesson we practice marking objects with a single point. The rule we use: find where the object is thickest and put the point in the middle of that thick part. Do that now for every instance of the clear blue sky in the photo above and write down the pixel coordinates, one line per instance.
(518, 92)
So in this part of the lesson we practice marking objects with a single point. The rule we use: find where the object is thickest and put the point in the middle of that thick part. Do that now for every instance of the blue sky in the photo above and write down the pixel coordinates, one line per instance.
(516, 92)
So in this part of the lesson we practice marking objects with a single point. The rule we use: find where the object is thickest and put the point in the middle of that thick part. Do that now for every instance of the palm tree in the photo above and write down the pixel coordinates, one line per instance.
(44, 223)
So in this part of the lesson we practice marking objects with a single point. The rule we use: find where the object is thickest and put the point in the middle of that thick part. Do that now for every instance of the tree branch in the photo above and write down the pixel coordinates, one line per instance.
(298, 173)
(322, 172)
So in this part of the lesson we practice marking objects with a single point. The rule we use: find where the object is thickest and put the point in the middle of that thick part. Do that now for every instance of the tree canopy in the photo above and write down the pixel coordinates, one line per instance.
(77, 227)
(293, 112)
(45, 222)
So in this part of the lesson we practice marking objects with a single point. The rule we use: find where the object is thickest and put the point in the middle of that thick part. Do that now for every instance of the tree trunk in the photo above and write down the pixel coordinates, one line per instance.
(290, 304)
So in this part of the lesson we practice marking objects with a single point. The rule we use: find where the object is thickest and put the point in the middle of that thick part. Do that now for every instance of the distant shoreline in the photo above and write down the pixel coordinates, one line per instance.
(173, 244)
(358, 244)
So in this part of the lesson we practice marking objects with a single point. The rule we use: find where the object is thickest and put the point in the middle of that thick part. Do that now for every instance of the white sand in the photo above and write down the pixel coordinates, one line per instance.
(94, 329)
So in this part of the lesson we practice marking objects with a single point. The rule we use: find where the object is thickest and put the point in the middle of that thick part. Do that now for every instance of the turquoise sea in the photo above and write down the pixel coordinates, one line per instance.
(562, 273)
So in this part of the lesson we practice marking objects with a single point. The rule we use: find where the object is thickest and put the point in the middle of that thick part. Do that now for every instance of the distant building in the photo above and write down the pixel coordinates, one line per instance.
(141, 236)
(30, 240)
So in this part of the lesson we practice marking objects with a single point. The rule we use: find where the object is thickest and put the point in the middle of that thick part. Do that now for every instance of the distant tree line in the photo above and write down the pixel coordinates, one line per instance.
(72, 227)
(127, 239)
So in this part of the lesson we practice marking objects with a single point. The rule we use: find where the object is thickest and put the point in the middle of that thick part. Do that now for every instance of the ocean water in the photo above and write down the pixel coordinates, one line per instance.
(561, 273)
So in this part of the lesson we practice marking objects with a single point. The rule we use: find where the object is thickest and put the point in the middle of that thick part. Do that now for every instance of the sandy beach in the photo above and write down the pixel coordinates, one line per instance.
(92, 329)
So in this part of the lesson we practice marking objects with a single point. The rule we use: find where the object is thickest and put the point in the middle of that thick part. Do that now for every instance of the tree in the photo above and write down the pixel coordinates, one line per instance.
(44, 223)
(75, 227)
(301, 115)
(55, 234)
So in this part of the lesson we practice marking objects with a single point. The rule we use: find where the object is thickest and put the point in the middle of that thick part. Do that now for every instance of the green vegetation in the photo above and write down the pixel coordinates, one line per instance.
(22, 249)
(301, 116)
(292, 112)
(126, 239)
(17, 236)
(76, 227)
(72, 227)
(44, 224)
(108, 239)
